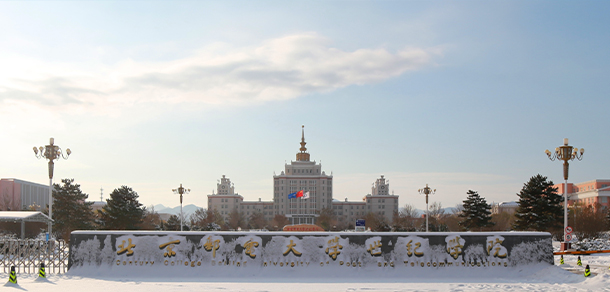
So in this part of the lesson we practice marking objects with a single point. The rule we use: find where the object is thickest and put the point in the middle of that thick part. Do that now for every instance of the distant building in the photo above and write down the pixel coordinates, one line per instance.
(17, 195)
(97, 206)
(589, 193)
(307, 176)
(504, 207)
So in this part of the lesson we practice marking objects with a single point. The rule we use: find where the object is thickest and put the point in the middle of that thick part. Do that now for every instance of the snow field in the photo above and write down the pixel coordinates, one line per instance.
(539, 277)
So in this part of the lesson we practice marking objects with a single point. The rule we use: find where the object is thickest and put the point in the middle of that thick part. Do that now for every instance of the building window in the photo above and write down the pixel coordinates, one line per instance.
(604, 199)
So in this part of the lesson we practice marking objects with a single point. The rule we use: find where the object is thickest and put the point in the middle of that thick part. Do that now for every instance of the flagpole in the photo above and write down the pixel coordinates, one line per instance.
(298, 208)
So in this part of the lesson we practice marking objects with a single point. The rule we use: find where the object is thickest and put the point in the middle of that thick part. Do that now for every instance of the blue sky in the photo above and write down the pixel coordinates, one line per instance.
(150, 94)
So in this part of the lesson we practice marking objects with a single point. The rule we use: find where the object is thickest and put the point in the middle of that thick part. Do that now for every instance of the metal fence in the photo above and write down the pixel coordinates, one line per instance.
(27, 255)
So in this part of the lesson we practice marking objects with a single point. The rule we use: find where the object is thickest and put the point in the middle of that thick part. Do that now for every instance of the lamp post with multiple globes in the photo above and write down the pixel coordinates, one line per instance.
(181, 191)
(51, 152)
(427, 191)
(565, 153)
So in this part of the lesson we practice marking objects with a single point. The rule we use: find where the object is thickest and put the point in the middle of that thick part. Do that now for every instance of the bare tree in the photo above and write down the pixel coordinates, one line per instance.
(198, 219)
(503, 221)
(236, 220)
(279, 221)
(587, 221)
(213, 219)
(407, 219)
(257, 220)
(409, 211)
(152, 219)
(437, 217)
(327, 219)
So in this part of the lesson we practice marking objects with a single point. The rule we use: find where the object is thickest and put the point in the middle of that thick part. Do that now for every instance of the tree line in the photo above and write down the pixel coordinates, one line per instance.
(539, 209)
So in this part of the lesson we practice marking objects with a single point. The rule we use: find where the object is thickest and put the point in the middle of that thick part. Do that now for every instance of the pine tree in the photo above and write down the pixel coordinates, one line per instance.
(70, 210)
(122, 211)
(476, 213)
(539, 206)
(173, 223)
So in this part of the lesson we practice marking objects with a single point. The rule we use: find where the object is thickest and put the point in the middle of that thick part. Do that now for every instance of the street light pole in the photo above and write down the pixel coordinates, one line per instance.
(565, 153)
(51, 152)
(427, 191)
(181, 191)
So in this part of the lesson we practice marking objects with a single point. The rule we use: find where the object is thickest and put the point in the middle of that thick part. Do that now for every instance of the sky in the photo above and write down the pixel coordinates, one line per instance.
(455, 94)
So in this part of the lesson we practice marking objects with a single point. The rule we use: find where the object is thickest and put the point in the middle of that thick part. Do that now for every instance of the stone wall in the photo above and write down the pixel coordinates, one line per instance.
(130, 251)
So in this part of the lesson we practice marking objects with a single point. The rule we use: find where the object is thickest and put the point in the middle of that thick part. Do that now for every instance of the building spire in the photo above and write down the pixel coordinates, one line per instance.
(303, 148)
(303, 155)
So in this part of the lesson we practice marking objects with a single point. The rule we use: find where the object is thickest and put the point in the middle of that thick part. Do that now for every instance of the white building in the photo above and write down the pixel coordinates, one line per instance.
(307, 176)
(504, 207)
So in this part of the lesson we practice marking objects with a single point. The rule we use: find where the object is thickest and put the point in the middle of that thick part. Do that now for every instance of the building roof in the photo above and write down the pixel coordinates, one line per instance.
(27, 216)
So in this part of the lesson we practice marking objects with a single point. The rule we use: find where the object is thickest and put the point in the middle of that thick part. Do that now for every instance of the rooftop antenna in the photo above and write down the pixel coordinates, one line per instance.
(101, 194)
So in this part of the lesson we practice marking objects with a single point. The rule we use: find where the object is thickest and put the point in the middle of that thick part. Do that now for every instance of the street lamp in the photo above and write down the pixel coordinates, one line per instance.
(565, 153)
(427, 191)
(181, 191)
(51, 152)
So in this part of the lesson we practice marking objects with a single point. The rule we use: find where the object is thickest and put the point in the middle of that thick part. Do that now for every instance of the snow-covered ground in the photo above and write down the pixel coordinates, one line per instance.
(539, 277)
(568, 277)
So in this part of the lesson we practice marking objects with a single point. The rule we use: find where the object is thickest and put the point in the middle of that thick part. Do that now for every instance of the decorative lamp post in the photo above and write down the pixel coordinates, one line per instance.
(427, 191)
(565, 153)
(181, 191)
(51, 152)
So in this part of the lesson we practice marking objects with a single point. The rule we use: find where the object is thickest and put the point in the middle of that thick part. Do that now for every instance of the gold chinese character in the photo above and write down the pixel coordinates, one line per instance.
(497, 246)
(212, 245)
(411, 250)
(496, 254)
(170, 245)
(124, 248)
(454, 248)
(372, 248)
(249, 246)
(334, 249)
(291, 248)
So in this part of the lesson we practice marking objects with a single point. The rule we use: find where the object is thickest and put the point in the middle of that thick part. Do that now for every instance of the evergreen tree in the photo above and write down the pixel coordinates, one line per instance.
(122, 211)
(173, 223)
(70, 210)
(539, 206)
(476, 213)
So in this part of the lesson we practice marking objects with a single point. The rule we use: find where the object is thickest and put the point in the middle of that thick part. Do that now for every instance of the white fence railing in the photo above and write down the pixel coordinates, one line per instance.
(27, 255)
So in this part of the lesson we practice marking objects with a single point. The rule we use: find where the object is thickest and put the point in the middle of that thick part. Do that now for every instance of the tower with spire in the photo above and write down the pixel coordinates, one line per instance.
(303, 155)
(306, 175)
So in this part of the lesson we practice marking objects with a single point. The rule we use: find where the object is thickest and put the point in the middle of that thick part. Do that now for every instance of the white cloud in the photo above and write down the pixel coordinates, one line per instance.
(277, 69)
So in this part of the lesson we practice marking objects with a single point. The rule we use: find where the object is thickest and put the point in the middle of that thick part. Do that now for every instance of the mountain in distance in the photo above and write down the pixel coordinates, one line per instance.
(186, 209)
(448, 210)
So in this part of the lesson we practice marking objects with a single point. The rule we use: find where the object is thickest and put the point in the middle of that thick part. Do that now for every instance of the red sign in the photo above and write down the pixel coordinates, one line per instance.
(303, 227)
